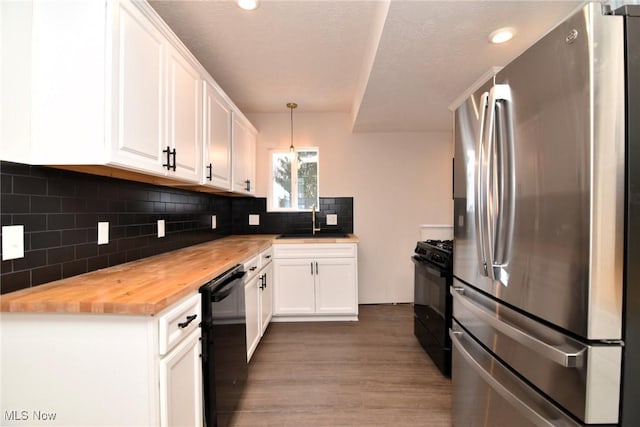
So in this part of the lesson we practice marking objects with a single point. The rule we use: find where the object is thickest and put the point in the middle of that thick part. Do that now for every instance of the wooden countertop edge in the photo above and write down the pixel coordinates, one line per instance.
(117, 289)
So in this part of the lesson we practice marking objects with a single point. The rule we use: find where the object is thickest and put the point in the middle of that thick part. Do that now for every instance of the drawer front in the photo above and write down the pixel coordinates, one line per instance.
(178, 323)
(265, 257)
(251, 267)
(315, 250)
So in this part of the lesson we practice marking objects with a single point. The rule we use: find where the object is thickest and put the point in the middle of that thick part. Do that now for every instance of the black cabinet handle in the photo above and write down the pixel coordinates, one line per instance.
(210, 167)
(170, 153)
(168, 164)
(317, 272)
(263, 283)
(190, 319)
(311, 264)
(248, 187)
(253, 268)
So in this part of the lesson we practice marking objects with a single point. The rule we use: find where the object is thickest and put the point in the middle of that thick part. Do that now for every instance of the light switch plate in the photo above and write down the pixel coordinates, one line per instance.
(254, 219)
(332, 219)
(12, 242)
(160, 228)
(213, 222)
(103, 233)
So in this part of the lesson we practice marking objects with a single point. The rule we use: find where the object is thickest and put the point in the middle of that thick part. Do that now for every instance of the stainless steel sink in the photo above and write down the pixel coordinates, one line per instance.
(312, 236)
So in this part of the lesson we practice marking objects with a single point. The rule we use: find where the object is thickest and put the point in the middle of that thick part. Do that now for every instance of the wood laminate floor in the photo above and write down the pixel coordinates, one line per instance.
(367, 373)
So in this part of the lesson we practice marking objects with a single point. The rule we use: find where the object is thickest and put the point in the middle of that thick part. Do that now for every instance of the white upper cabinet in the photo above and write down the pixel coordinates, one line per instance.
(107, 83)
(184, 117)
(217, 139)
(244, 156)
(139, 91)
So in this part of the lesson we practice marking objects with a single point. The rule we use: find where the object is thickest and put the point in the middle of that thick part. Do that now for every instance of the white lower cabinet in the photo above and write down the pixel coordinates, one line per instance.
(315, 282)
(181, 384)
(252, 310)
(258, 294)
(266, 297)
(295, 287)
(80, 369)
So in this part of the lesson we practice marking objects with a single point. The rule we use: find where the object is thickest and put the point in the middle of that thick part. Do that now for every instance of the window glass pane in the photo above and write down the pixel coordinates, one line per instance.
(282, 191)
(307, 179)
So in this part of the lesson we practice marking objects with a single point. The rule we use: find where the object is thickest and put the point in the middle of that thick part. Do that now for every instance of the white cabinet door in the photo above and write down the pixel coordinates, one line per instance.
(184, 117)
(181, 384)
(138, 92)
(266, 303)
(336, 291)
(244, 169)
(252, 307)
(295, 290)
(217, 139)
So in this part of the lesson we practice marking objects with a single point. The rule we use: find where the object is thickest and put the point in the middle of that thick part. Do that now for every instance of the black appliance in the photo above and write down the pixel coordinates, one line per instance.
(224, 346)
(432, 300)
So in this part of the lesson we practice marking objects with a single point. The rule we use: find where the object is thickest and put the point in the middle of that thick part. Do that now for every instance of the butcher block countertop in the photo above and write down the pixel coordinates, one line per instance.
(146, 286)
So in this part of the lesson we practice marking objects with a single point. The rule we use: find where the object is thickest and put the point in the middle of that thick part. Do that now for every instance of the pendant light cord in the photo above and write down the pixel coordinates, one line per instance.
(291, 106)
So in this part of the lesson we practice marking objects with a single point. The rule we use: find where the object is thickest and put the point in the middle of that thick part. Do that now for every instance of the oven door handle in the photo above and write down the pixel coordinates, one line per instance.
(433, 271)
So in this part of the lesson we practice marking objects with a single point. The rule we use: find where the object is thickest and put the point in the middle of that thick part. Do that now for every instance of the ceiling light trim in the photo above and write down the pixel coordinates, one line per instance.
(502, 35)
(248, 4)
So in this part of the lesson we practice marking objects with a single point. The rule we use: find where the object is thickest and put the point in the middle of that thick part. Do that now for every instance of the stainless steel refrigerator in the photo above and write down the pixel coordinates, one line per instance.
(546, 298)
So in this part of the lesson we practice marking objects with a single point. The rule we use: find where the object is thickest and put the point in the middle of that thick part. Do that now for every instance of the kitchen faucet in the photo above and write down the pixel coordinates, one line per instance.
(313, 220)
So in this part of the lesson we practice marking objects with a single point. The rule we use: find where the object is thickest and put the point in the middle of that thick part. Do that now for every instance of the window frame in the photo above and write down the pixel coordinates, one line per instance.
(294, 179)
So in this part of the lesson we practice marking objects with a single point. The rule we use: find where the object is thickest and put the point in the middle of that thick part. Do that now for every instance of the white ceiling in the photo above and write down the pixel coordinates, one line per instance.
(394, 66)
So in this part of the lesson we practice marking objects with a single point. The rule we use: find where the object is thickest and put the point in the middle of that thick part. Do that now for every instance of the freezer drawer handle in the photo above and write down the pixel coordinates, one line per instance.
(568, 360)
(525, 409)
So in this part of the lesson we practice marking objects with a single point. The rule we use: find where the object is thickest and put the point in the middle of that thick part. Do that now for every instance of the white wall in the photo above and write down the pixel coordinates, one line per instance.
(398, 181)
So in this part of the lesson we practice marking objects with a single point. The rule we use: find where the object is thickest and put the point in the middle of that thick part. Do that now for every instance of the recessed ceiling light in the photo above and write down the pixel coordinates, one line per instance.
(248, 4)
(502, 35)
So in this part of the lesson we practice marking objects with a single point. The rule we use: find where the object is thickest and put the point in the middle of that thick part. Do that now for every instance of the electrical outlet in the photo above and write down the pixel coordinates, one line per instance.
(213, 222)
(254, 219)
(160, 228)
(12, 242)
(103, 233)
(332, 219)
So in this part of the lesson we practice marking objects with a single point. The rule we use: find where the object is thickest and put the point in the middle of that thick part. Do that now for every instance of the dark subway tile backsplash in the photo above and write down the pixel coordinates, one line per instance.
(60, 211)
(291, 222)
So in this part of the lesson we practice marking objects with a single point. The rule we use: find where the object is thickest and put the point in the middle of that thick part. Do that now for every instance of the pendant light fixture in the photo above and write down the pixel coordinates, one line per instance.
(291, 106)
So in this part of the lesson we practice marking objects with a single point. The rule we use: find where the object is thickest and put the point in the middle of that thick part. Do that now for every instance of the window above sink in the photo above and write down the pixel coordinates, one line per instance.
(294, 180)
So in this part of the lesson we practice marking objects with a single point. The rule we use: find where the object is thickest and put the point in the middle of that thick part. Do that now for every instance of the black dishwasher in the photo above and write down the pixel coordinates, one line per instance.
(224, 346)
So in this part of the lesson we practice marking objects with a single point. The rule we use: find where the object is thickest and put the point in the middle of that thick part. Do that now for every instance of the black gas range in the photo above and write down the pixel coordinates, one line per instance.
(433, 261)
(439, 252)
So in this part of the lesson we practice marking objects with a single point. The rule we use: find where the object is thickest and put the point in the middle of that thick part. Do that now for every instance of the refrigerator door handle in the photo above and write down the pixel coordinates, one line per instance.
(499, 183)
(566, 359)
(496, 385)
(480, 195)
(490, 189)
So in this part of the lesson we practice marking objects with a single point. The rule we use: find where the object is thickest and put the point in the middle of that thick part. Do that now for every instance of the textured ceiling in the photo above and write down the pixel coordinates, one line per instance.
(394, 66)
